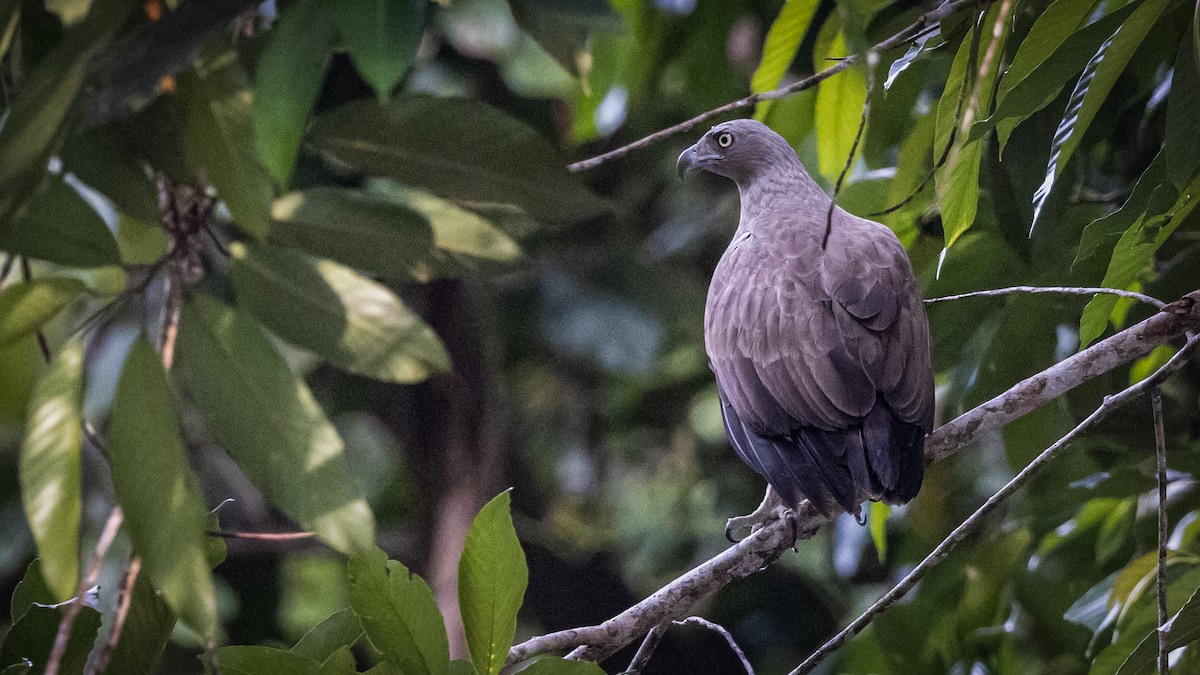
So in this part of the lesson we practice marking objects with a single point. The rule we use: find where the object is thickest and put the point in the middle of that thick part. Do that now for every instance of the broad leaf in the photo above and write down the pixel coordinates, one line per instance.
(30, 590)
(492, 577)
(363, 230)
(1182, 145)
(218, 130)
(399, 614)
(354, 323)
(381, 37)
(554, 665)
(164, 510)
(103, 161)
(36, 118)
(32, 637)
(50, 469)
(779, 49)
(1153, 193)
(240, 660)
(24, 307)
(287, 80)
(60, 227)
(563, 28)
(455, 148)
(268, 421)
(1182, 629)
(840, 101)
(339, 630)
(147, 629)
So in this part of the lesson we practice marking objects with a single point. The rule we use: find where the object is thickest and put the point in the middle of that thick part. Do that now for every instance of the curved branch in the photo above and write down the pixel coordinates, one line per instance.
(944, 10)
(1063, 290)
(750, 555)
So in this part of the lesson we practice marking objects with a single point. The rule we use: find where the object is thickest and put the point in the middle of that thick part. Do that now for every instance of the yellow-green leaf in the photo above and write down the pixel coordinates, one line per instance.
(779, 49)
(840, 101)
(24, 307)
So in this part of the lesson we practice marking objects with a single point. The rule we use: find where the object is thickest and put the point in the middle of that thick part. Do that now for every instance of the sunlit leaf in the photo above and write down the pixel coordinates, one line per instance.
(363, 230)
(399, 614)
(288, 78)
(562, 28)
(60, 227)
(1148, 364)
(351, 321)
(50, 469)
(25, 306)
(381, 37)
(879, 518)
(455, 148)
(840, 101)
(1182, 144)
(268, 421)
(779, 49)
(218, 132)
(491, 585)
(245, 660)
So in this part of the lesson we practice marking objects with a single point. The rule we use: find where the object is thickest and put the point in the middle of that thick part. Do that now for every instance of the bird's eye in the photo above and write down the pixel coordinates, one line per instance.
(725, 139)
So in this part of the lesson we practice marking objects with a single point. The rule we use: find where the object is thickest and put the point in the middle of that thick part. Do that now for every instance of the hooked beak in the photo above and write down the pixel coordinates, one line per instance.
(691, 159)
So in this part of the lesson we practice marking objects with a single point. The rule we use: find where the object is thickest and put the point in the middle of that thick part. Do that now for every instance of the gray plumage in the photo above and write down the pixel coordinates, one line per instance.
(821, 353)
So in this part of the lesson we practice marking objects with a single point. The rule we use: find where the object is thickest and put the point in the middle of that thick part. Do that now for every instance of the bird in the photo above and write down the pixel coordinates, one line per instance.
(816, 331)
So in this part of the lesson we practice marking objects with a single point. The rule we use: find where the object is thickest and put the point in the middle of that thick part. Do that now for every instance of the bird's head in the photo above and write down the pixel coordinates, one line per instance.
(739, 150)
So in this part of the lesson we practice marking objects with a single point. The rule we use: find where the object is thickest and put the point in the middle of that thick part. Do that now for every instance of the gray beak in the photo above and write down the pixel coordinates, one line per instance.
(691, 159)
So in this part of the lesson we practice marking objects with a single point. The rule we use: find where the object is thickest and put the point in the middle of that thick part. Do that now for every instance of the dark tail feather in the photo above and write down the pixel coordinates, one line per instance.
(895, 454)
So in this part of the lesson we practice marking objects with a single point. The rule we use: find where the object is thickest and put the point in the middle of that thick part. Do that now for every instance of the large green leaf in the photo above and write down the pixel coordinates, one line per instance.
(381, 37)
(148, 627)
(246, 660)
(218, 131)
(59, 226)
(25, 306)
(562, 28)
(399, 613)
(554, 665)
(1182, 145)
(455, 148)
(287, 80)
(50, 469)
(492, 577)
(105, 163)
(339, 630)
(840, 101)
(32, 637)
(1182, 629)
(779, 49)
(363, 230)
(1153, 193)
(268, 421)
(34, 122)
(1132, 256)
(354, 323)
(10, 12)
(164, 510)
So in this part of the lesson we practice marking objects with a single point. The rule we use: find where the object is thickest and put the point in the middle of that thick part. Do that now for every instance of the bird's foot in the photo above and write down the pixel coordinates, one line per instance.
(740, 527)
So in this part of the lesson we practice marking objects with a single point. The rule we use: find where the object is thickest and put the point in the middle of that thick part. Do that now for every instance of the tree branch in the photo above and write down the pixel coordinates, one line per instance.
(972, 523)
(1063, 290)
(63, 636)
(719, 629)
(1160, 453)
(750, 555)
(944, 10)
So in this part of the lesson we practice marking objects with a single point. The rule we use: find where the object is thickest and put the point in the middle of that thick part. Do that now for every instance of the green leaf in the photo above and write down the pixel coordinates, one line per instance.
(1182, 145)
(164, 510)
(399, 613)
(37, 117)
(148, 627)
(1148, 364)
(562, 28)
(455, 148)
(354, 323)
(105, 163)
(60, 227)
(339, 630)
(242, 660)
(32, 636)
(1182, 629)
(879, 517)
(461, 667)
(218, 131)
(779, 49)
(341, 662)
(288, 79)
(1153, 193)
(50, 469)
(1093, 87)
(361, 229)
(381, 37)
(10, 12)
(268, 421)
(1131, 258)
(25, 306)
(30, 590)
(840, 101)
(554, 665)
(492, 577)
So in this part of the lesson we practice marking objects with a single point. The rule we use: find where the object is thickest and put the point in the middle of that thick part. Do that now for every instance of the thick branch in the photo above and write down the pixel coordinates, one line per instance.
(929, 18)
(674, 600)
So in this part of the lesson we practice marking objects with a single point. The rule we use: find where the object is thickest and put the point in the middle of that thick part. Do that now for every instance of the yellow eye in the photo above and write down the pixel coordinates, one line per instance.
(724, 139)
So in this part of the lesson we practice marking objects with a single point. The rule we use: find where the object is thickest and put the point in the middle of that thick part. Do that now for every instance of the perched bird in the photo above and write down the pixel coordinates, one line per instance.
(817, 334)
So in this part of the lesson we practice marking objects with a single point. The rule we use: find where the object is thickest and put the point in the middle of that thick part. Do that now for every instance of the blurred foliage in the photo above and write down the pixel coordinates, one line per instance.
(395, 301)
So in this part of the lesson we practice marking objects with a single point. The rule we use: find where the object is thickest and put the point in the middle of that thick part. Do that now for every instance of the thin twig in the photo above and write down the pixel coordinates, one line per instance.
(124, 599)
(1061, 290)
(699, 621)
(941, 12)
(6, 267)
(1160, 453)
(750, 555)
(975, 519)
(872, 61)
(173, 288)
(644, 652)
(41, 337)
(261, 536)
(63, 636)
